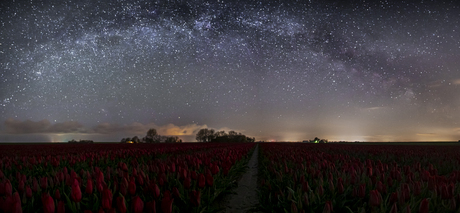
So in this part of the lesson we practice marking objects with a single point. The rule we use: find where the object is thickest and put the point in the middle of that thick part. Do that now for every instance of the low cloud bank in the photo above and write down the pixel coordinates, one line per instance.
(13, 126)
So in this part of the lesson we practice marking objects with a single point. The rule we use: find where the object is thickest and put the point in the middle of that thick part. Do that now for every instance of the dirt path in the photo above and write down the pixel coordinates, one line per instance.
(246, 196)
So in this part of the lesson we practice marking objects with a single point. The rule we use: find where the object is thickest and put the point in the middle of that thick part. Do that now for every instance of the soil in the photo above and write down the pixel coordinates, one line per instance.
(245, 198)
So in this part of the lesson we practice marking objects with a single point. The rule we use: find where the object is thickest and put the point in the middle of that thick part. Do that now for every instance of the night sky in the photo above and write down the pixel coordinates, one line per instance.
(273, 70)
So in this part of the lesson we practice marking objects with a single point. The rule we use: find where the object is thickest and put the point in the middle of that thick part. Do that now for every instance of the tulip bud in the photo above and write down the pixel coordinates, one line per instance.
(305, 199)
(121, 204)
(209, 179)
(28, 192)
(21, 186)
(150, 207)
(8, 188)
(166, 202)
(132, 187)
(57, 194)
(138, 205)
(107, 199)
(193, 175)
(60, 207)
(394, 197)
(305, 187)
(156, 191)
(176, 192)
(43, 183)
(76, 192)
(201, 181)
(48, 204)
(394, 208)
(293, 207)
(187, 182)
(89, 186)
(328, 207)
(375, 198)
(215, 169)
(195, 197)
(424, 206)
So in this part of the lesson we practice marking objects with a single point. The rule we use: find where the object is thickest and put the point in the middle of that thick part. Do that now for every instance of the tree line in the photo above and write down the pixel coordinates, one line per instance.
(210, 135)
(152, 137)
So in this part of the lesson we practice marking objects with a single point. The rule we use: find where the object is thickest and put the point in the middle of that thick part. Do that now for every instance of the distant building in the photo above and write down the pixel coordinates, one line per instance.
(81, 141)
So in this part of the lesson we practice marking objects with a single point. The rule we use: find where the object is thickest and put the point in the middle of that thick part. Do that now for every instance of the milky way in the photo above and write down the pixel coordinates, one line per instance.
(273, 70)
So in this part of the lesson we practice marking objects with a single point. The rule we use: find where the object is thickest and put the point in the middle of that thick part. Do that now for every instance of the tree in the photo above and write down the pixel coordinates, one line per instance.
(173, 139)
(210, 135)
(201, 135)
(151, 136)
(135, 140)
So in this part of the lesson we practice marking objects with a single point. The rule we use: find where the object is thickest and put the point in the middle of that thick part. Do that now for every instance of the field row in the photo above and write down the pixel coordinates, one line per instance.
(293, 177)
(118, 178)
(359, 178)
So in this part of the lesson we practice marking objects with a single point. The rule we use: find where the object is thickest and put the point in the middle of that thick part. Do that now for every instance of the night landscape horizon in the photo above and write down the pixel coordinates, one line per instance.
(376, 71)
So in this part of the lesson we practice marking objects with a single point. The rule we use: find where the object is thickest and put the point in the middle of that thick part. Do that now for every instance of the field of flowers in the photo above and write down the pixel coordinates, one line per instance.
(118, 177)
(304, 177)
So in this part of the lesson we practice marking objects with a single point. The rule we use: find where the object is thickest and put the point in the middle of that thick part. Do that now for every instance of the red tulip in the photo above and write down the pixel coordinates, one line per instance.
(43, 183)
(328, 207)
(201, 181)
(12, 203)
(138, 204)
(209, 179)
(394, 197)
(121, 204)
(195, 197)
(8, 188)
(407, 209)
(305, 187)
(305, 199)
(361, 191)
(176, 192)
(151, 207)
(187, 182)
(61, 207)
(166, 202)
(21, 186)
(107, 199)
(424, 206)
(124, 187)
(394, 208)
(380, 187)
(28, 192)
(89, 186)
(132, 187)
(375, 198)
(57, 194)
(432, 183)
(452, 204)
(76, 192)
(48, 204)
(293, 207)
(405, 191)
(156, 191)
(193, 175)
(183, 174)
(215, 169)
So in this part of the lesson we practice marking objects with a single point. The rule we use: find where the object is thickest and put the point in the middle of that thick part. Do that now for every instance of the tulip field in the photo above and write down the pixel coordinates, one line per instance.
(185, 177)
(301, 177)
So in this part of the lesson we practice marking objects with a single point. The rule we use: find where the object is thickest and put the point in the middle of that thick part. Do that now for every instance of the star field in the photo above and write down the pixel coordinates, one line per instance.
(375, 71)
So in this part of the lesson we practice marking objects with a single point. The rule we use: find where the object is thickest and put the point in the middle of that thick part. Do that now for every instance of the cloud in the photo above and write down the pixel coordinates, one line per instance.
(426, 134)
(13, 126)
(141, 129)
(171, 129)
